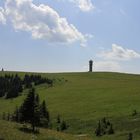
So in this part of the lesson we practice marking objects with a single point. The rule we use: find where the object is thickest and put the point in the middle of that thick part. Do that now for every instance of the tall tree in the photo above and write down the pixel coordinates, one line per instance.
(30, 112)
(45, 117)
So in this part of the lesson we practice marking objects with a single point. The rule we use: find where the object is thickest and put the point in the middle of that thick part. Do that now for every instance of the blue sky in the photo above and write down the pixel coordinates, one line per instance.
(63, 35)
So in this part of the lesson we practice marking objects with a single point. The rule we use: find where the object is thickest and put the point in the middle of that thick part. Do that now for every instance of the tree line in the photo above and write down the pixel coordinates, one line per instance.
(11, 86)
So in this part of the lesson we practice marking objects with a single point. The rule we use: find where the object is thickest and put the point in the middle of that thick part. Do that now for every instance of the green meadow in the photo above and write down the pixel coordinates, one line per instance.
(82, 99)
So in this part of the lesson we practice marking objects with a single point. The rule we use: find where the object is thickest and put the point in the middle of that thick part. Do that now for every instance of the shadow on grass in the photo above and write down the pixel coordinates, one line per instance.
(26, 129)
(51, 138)
(1, 138)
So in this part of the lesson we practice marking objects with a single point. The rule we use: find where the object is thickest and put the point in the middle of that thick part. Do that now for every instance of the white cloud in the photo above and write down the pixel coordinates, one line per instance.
(84, 5)
(2, 16)
(107, 66)
(119, 53)
(42, 22)
(89, 36)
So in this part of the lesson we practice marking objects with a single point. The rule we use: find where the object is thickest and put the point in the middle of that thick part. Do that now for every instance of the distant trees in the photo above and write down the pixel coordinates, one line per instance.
(29, 80)
(15, 87)
(12, 85)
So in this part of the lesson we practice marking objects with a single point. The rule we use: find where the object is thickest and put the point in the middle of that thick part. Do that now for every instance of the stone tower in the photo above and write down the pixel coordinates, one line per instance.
(90, 65)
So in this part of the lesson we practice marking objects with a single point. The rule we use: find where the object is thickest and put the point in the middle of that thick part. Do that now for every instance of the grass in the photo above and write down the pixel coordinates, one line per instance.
(87, 97)
(10, 131)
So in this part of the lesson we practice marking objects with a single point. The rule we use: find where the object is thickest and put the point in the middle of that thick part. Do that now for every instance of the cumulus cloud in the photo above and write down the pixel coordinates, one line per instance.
(119, 53)
(2, 16)
(84, 5)
(107, 66)
(42, 22)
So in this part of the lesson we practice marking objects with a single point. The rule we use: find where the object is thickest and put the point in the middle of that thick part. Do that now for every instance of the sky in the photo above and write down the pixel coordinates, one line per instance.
(63, 35)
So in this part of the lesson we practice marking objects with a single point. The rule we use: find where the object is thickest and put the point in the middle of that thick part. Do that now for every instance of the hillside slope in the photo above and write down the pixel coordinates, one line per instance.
(83, 98)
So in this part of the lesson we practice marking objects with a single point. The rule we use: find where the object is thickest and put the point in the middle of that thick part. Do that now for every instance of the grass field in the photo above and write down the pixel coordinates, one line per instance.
(81, 99)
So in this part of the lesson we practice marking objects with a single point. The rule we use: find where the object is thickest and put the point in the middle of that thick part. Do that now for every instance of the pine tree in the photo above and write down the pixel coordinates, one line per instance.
(30, 112)
(98, 131)
(16, 115)
(111, 130)
(63, 126)
(8, 116)
(130, 136)
(58, 119)
(4, 116)
(45, 117)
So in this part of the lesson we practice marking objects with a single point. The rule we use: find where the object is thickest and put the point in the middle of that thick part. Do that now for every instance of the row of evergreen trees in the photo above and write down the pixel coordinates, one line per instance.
(12, 85)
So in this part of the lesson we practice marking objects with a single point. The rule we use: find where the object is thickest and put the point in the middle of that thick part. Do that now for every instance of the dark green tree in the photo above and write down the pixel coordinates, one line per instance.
(8, 116)
(98, 131)
(63, 126)
(111, 130)
(130, 136)
(30, 111)
(16, 115)
(58, 119)
(44, 114)
(4, 116)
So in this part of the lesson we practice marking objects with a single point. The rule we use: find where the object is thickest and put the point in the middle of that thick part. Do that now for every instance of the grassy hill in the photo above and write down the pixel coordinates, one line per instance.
(81, 99)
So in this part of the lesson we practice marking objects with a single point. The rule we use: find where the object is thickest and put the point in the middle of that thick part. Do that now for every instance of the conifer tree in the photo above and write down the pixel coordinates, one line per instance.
(63, 126)
(30, 112)
(98, 130)
(45, 117)
(58, 119)
(130, 136)
(111, 130)
(16, 115)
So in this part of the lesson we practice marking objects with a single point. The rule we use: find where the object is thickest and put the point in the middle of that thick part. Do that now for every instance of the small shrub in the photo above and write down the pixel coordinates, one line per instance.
(98, 131)
(104, 127)
(130, 136)
(63, 126)
(1, 138)
(111, 130)
(134, 113)
(58, 119)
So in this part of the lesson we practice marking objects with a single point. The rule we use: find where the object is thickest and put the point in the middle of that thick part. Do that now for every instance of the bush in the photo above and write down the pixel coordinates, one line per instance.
(1, 138)
(104, 127)
(111, 130)
(63, 126)
(130, 136)
(134, 113)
